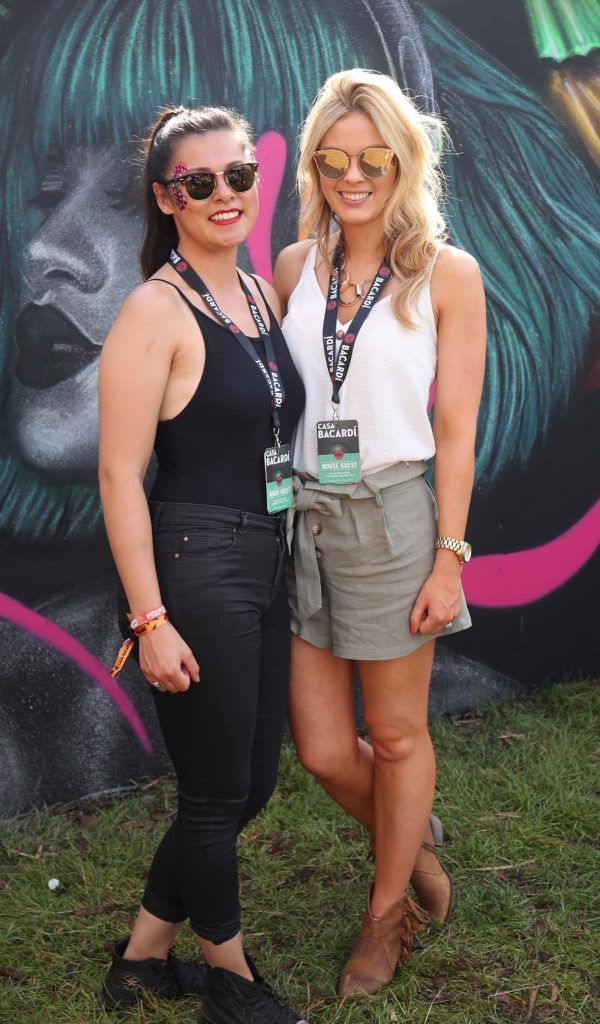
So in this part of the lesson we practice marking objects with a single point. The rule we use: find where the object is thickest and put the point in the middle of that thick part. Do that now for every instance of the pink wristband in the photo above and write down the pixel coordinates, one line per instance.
(148, 616)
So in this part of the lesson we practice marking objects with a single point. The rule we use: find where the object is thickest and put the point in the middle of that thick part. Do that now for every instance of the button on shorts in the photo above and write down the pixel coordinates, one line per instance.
(373, 559)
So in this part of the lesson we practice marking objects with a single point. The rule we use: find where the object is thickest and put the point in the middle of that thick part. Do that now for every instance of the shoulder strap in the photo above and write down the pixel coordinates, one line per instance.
(163, 280)
(272, 317)
(264, 297)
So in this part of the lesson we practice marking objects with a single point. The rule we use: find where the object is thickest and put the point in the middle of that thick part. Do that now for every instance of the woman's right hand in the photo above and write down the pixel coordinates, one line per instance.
(166, 658)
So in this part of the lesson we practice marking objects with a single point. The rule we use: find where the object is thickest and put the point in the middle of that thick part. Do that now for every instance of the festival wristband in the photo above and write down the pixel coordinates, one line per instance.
(124, 652)
(126, 648)
(147, 616)
(149, 627)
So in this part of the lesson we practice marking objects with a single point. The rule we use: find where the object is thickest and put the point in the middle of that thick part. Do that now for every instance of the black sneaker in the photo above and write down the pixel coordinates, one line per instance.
(192, 978)
(231, 999)
(128, 980)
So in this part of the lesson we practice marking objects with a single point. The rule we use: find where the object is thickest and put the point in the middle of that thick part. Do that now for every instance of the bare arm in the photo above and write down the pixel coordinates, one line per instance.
(461, 365)
(134, 371)
(288, 269)
(457, 292)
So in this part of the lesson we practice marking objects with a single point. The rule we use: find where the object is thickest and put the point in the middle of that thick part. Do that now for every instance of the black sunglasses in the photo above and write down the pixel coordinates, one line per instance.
(200, 185)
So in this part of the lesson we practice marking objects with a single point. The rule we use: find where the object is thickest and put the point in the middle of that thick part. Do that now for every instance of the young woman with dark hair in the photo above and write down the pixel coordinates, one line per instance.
(196, 366)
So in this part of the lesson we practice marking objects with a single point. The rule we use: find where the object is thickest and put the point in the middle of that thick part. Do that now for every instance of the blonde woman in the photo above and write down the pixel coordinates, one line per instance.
(378, 307)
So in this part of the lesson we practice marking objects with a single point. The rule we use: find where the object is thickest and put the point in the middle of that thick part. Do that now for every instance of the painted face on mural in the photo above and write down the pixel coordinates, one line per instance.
(79, 267)
(226, 217)
(356, 198)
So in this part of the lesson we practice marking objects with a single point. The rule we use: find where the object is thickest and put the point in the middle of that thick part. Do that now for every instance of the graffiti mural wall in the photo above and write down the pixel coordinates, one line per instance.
(80, 84)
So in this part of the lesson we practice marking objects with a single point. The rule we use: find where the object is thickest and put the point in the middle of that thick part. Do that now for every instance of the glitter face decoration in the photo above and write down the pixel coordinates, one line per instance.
(178, 194)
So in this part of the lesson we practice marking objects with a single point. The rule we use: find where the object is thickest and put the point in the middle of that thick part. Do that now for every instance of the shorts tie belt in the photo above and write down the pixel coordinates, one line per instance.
(326, 499)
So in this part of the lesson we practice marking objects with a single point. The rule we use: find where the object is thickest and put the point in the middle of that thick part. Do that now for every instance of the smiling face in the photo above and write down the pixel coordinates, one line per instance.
(225, 219)
(79, 267)
(356, 198)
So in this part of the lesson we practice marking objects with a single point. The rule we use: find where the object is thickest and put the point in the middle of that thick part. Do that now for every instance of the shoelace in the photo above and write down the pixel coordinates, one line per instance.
(270, 1007)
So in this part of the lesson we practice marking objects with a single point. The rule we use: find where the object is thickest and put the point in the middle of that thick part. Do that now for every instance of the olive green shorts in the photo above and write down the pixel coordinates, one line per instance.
(373, 550)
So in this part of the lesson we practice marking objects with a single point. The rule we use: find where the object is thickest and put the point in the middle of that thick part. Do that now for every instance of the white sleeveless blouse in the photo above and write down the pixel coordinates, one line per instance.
(388, 383)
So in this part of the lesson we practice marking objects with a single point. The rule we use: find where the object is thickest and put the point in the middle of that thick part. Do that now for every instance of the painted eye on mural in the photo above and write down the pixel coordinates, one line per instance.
(122, 199)
(123, 186)
(51, 192)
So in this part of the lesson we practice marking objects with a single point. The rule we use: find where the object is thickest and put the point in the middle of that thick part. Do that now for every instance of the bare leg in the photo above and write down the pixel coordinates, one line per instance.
(152, 937)
(324, 732)
(322, 722)
(395, 695)
(229, 955)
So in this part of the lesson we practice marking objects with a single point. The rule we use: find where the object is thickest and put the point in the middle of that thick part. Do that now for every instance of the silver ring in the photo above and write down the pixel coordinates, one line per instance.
(156, 685)
(449, 625)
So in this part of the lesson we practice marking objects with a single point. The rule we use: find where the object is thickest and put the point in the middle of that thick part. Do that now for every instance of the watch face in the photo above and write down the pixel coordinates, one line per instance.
(467, 552)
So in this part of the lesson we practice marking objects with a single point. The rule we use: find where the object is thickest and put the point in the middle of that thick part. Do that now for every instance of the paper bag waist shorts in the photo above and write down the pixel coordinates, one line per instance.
(360, 555)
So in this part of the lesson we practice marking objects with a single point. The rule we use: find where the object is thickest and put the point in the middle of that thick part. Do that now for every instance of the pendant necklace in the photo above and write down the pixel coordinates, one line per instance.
(360, 290)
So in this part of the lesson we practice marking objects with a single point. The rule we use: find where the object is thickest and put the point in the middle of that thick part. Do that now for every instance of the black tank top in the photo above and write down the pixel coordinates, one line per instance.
(211, 453)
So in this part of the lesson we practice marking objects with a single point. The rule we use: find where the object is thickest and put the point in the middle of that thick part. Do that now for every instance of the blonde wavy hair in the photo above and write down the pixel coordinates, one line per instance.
(413, 224)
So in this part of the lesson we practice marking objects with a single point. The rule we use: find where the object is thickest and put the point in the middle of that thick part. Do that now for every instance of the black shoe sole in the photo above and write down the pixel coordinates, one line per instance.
(110, 1003)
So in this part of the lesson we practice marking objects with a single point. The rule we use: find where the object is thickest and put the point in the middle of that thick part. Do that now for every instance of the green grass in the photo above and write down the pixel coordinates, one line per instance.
(521, 945)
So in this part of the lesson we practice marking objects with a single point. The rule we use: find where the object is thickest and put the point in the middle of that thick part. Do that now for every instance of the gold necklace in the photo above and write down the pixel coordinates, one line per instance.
(345, 283)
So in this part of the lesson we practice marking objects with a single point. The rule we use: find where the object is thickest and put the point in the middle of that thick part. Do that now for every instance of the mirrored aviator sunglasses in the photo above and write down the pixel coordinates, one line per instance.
(200, 185)
(374, 162)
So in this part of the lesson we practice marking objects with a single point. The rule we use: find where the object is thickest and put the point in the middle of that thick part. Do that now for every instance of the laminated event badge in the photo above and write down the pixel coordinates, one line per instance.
(338, 452)
(278, 477)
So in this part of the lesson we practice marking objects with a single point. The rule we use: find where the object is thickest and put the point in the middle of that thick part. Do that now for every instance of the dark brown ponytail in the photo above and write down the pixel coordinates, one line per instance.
(173, 124)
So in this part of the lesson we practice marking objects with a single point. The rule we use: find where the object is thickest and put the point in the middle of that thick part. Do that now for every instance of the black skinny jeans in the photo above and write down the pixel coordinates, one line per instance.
(221, 580)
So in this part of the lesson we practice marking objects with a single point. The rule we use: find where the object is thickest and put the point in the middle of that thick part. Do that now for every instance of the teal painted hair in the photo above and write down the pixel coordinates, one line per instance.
(97, 73)
(522, 202)
(521, 196)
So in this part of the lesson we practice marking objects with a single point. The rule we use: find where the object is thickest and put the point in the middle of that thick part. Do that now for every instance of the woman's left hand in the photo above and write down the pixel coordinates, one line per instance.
(438, 603)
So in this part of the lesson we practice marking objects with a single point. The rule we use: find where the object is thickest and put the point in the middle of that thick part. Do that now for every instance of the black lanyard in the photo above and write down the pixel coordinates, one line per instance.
(270, 372)
(338, 369)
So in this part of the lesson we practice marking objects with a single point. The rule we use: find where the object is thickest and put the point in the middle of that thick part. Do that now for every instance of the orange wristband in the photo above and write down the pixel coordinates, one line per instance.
(154, 613)
(122, 657)
(148, 627)
(126, 648)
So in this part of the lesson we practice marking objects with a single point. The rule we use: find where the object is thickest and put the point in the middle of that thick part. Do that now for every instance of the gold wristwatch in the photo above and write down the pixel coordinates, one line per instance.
(461, 549)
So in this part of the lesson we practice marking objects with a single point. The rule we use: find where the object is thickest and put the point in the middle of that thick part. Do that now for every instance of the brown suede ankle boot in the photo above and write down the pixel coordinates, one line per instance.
(383, 942)
(430, 880)
(433, 885)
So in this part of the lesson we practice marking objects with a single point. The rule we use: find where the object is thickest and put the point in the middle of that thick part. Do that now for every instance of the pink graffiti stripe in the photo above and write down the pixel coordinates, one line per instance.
(56, 637)
(271, 153)
(521, 577)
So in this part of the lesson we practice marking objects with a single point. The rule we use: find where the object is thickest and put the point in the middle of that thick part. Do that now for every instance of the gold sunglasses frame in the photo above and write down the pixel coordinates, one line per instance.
(358, 155)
